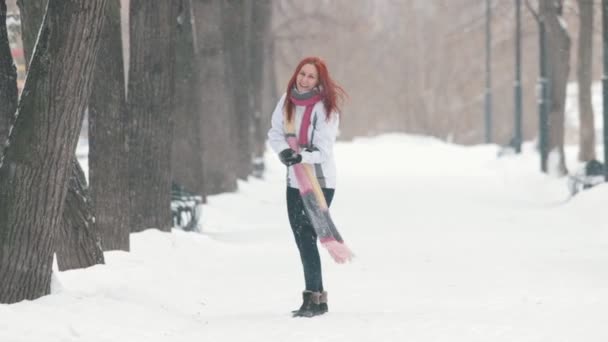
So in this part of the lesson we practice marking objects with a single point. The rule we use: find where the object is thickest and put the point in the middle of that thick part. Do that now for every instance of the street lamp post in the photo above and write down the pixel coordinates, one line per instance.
(488, 92)
(518, 99)
(543, 103)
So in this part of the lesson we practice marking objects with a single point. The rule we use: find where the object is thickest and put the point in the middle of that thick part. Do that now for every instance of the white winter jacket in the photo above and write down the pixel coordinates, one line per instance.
(321, 137)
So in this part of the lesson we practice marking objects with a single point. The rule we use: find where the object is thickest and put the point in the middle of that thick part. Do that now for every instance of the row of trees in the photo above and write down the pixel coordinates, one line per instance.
(192, 106)
(189, 113)
(555, 46)
(418, 66)
(459, 113)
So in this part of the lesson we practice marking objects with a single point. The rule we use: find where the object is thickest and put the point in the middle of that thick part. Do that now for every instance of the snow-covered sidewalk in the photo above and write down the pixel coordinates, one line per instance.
(452, 244)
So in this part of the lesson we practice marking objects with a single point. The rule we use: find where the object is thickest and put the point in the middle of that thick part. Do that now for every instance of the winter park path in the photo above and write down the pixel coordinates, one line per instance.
(451, 243)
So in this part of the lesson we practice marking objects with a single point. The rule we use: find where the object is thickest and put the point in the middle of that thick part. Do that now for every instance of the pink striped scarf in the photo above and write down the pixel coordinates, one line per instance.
(305, 124)
(310, 190)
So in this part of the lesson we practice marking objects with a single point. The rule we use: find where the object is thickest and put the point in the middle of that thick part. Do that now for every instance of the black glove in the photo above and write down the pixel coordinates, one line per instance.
(289, 157)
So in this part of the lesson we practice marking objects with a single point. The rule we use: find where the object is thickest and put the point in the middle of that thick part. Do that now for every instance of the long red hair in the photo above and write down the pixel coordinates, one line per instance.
(333, 94)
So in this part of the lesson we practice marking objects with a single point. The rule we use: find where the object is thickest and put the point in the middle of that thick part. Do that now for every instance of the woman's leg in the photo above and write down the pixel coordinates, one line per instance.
(306, 238)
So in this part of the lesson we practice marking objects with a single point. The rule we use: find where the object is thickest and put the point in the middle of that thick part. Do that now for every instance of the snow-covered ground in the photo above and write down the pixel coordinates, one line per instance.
(452, 244)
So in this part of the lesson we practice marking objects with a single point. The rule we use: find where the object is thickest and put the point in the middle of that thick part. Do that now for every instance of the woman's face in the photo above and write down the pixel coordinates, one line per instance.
(307, 79)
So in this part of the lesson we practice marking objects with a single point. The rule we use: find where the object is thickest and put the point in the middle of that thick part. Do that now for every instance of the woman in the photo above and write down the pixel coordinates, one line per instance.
(310, 109)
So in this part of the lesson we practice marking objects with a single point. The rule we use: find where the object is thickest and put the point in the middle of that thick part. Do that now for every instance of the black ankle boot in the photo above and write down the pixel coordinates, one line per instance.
(310, 305)
(323, 302)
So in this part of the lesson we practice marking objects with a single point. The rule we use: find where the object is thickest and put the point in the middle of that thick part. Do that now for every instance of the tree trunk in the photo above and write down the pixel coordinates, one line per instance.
(108, 165)
(151, 106)
(585, 59)
(271, 91)
(558, 50)
(64, 242)
(80, 244)
(260, 39)
(35, 171)
(187, 155)
(216, 102)
(236, 28)
(32, 13)
(8, 81)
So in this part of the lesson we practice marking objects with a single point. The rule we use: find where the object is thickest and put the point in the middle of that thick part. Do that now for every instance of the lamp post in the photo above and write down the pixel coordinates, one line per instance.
(488, 92)
(517, 140)
(543, 103)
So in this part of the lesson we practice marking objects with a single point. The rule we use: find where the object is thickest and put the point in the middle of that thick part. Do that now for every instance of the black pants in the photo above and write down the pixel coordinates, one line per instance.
(306, 237)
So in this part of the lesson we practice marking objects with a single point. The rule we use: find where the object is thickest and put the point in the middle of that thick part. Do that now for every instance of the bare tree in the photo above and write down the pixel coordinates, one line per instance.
(236, 28)
(270, 88)
(35, 170)
(261, 15)
(585, 58)
(108, 165)
(558, 51)
(8, 80)
(151, 105)
(219, 118)
(187, 155)
(78, 240)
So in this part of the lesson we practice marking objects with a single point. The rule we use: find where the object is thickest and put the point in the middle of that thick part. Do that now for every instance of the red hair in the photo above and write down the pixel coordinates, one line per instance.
(333, 94)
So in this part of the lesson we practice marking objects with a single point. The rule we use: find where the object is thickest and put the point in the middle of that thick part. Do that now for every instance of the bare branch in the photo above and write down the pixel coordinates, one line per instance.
(534, 13)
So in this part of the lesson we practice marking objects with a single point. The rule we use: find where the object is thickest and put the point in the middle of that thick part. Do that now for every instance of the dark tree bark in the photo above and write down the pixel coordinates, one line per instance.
(558, 50)
(151, 106)
(80, 244)
(216, 101)
(35, 171)
(585, 59)
(108, 165)
(187, 154)
(8, 81)
(32, 13)
(65, 242)
(236, 33)
(260, 41)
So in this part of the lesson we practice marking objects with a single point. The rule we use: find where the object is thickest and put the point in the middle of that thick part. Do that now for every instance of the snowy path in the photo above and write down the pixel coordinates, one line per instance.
(462, 247)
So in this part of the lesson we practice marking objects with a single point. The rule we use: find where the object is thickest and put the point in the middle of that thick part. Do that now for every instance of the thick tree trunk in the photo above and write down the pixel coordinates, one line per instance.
(8, 81)
(32, 13)
(216, 101)
(80, 242)
(64, 243)
(236, 33)
(585, 57)
(558, 49)
(35, 171)
(108, 165)
(151, 106)
(187, 155)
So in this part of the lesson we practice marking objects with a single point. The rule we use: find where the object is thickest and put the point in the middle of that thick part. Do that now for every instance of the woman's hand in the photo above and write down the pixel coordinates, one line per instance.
(289, 157)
